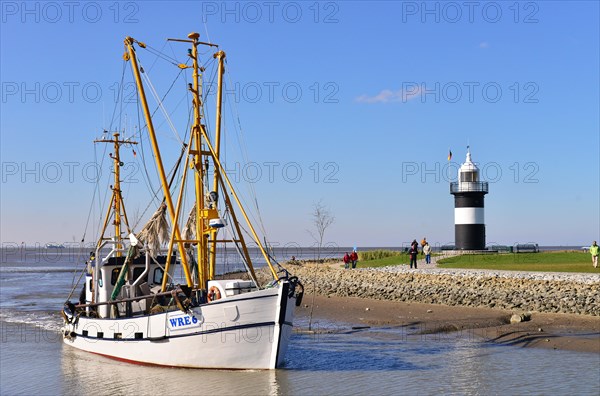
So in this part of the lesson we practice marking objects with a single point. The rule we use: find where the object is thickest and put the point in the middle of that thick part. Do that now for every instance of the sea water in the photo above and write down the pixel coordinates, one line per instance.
(336, 361)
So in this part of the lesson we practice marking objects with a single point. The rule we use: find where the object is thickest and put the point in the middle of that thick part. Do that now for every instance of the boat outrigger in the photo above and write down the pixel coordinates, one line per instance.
(132, 307)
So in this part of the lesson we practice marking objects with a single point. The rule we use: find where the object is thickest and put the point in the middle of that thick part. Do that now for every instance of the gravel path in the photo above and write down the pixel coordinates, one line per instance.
(482, 273)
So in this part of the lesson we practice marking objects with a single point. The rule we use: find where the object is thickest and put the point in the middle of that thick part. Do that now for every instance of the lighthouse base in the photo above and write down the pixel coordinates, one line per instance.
(469, 236)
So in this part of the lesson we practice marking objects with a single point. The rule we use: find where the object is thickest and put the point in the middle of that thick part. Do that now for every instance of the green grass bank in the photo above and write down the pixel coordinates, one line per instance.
(560, 261)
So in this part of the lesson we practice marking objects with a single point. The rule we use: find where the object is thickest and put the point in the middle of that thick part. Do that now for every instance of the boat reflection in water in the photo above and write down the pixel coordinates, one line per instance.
(82, 370)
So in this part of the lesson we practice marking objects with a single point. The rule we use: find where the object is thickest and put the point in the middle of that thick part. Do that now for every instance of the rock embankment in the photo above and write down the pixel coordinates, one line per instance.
(539, 292)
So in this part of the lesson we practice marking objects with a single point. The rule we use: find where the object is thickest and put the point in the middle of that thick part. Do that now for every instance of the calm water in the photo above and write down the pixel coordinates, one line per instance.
(33, 359)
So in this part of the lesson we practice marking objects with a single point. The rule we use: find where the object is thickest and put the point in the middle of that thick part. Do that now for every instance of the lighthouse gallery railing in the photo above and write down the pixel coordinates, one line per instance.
(457, 187)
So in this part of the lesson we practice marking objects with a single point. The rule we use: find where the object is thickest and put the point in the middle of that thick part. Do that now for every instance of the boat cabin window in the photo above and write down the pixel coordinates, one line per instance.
(158, 276)
(137, 271)
(114, 275)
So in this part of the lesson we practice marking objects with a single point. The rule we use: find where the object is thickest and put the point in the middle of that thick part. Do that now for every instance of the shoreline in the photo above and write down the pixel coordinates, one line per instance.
(559, 311)
(563, 309)
(571, 332)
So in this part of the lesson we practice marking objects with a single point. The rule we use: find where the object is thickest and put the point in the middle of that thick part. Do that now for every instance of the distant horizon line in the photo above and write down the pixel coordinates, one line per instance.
(65, 245)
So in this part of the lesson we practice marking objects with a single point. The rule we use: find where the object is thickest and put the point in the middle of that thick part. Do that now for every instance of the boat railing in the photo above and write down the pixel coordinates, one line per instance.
(172, 293)
(174, 304)
(112, 252)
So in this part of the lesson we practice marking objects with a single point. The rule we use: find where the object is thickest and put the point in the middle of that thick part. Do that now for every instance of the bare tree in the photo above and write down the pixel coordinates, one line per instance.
(322, 219)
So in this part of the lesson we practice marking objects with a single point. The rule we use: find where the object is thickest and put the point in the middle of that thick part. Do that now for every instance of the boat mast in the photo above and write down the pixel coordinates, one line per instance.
(213, 234)
(130, 55)
(201, 245)
(217, 179)
(219, 175)
(116, 205)
(200, 165)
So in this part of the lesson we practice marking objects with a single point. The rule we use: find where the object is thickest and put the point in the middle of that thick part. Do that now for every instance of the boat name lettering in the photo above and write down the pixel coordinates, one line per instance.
(182, 321)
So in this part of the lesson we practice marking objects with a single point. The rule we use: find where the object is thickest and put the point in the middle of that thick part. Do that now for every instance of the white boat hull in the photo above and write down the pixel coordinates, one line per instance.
(245, 331)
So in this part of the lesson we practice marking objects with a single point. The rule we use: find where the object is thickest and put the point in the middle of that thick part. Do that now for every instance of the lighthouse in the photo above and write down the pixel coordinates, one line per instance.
(469, 191)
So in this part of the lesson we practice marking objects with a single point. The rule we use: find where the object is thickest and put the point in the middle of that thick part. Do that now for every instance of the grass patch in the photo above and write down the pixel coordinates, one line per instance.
(384, 258)
(544, 262)
(377, 254)
(384, 262)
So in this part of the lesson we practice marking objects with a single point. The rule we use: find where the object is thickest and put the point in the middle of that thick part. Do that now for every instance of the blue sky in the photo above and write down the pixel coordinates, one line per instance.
(352, 103)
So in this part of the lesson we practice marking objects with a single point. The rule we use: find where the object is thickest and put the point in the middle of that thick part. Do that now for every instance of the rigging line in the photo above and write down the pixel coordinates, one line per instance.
(142, 152)
(87, 223)
(183, 99)
(97, 189)
(160, 104)
(160, 54)
(146, 76)
(188, 126)
(146, 179)
(206, 31)
(76, 284)
(250, 186)
(119, 96)
(173, 173)
(206, 93)
(89, 216)
(154, 196)
(155, 193)
(232, 235)
(121, 105)
(156, 53)
(244, 152)
(103, 201)
(168, 90)
(175, 169)
(175, 56)
(238, 127)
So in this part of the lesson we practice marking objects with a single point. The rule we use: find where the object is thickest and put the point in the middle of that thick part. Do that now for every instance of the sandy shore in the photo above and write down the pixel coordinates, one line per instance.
(555, 331)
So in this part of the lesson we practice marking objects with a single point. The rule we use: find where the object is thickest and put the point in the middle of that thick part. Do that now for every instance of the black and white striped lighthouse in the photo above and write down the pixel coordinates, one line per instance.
(468, 191)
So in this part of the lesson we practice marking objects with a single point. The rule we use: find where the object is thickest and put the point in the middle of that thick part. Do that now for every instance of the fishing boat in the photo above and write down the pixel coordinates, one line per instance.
(132, 306)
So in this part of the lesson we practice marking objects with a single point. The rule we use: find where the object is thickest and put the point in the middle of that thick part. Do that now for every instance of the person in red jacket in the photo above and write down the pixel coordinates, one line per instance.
(346, 260)
(354, 258)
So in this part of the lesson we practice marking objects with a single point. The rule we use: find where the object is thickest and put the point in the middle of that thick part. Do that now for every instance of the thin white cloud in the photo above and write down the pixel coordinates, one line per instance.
(389, 96)
(484, 44)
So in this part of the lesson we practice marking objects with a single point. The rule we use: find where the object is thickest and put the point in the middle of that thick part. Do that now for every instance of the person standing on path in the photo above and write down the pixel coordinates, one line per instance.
(427, 252)
(413, 252)
(423, 242)
(354, 258)
(346, 260)
(594, 253)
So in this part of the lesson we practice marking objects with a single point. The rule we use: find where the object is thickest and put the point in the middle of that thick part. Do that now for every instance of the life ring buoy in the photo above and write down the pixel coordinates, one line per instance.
(214, 294)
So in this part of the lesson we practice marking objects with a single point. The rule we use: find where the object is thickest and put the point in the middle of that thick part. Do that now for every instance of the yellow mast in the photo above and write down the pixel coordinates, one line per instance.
(213, 234)
(202, 213)
(116, 205)
(130, 55)
(197, 162)
(117, 190)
